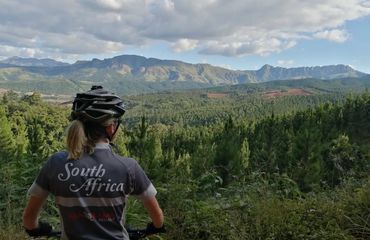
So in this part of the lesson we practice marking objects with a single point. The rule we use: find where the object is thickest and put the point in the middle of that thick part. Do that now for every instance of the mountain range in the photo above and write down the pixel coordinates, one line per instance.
(32, 62)
(131, 74)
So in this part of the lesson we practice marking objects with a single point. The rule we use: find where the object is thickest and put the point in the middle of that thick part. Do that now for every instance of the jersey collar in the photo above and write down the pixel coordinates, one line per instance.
(102, 145)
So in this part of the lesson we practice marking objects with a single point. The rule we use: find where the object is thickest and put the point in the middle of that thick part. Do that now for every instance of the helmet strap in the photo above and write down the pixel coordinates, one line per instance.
(110, 136)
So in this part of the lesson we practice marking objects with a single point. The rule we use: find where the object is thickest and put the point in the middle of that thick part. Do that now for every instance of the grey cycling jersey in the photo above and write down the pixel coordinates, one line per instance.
(91, 192)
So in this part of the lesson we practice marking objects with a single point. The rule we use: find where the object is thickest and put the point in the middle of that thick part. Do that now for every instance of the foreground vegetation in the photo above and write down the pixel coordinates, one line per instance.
(292, 175)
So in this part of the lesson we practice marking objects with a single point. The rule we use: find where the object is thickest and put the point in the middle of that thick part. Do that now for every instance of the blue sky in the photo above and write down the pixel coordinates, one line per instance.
(355, 51)
(236, 34)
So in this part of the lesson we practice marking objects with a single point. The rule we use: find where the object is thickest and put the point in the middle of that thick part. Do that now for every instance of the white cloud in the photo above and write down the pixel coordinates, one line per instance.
(110, 4)
(227, 66)
(183, 45)
(263, 47)
(231, 28)
(285, 63)
(334, 35)
(17, 51)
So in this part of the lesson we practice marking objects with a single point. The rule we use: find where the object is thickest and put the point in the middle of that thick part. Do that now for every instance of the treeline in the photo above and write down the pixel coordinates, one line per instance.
(301, 175)
(200, 108)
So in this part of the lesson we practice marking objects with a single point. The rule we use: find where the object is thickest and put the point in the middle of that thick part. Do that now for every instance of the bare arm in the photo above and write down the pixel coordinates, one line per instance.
(32, 211)
(155, 211)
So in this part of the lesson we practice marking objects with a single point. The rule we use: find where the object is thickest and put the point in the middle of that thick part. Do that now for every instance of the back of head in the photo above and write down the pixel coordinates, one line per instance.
(97, 105)
(91, 112)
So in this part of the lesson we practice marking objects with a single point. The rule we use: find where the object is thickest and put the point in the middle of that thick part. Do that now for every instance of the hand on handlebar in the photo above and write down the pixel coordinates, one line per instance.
(150, 228)
(43, 229)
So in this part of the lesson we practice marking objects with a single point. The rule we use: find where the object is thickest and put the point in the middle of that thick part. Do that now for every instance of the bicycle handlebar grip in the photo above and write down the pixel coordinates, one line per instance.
(151, 229)
(43, 229)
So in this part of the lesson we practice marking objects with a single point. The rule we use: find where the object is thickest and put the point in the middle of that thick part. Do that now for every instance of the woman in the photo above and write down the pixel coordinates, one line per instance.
(90, 182)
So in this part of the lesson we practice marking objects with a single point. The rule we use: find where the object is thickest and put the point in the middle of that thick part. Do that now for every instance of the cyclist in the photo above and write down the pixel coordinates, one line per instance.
(90, 182)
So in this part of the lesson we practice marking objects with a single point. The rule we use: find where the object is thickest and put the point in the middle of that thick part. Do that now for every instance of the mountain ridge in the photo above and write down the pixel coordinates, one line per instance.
(32, 62)
(133, 73)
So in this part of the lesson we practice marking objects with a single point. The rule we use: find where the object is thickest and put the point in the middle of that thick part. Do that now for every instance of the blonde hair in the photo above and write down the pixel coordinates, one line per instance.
(77, 140)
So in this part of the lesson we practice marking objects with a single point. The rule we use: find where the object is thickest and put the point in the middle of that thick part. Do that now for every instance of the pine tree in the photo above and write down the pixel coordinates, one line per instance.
(138, 139)
(244, 156)
(227, 158)
(121, 140)
(7, 157)
(307, 153)
(7, 143)
(153, 151)
(37, 148)
(343, 158)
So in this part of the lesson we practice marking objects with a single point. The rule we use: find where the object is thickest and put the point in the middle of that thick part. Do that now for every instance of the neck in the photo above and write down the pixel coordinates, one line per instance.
(103, 140)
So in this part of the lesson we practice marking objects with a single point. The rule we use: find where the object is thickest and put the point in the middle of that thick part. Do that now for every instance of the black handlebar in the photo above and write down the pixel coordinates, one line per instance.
(54, 234)
(134, 234)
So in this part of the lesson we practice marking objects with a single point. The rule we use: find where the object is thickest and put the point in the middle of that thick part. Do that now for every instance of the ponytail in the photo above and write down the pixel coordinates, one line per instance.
(76, 139)
(82, 137)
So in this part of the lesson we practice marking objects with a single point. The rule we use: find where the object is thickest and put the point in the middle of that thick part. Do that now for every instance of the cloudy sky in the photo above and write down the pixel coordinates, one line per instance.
(237, 34)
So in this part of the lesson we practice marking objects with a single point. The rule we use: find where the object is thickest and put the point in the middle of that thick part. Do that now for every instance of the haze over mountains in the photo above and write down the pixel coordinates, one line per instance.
(33, 62)
(130, 74)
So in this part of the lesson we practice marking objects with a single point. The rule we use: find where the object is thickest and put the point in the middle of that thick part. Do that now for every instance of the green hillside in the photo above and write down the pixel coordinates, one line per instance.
(245, 101)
